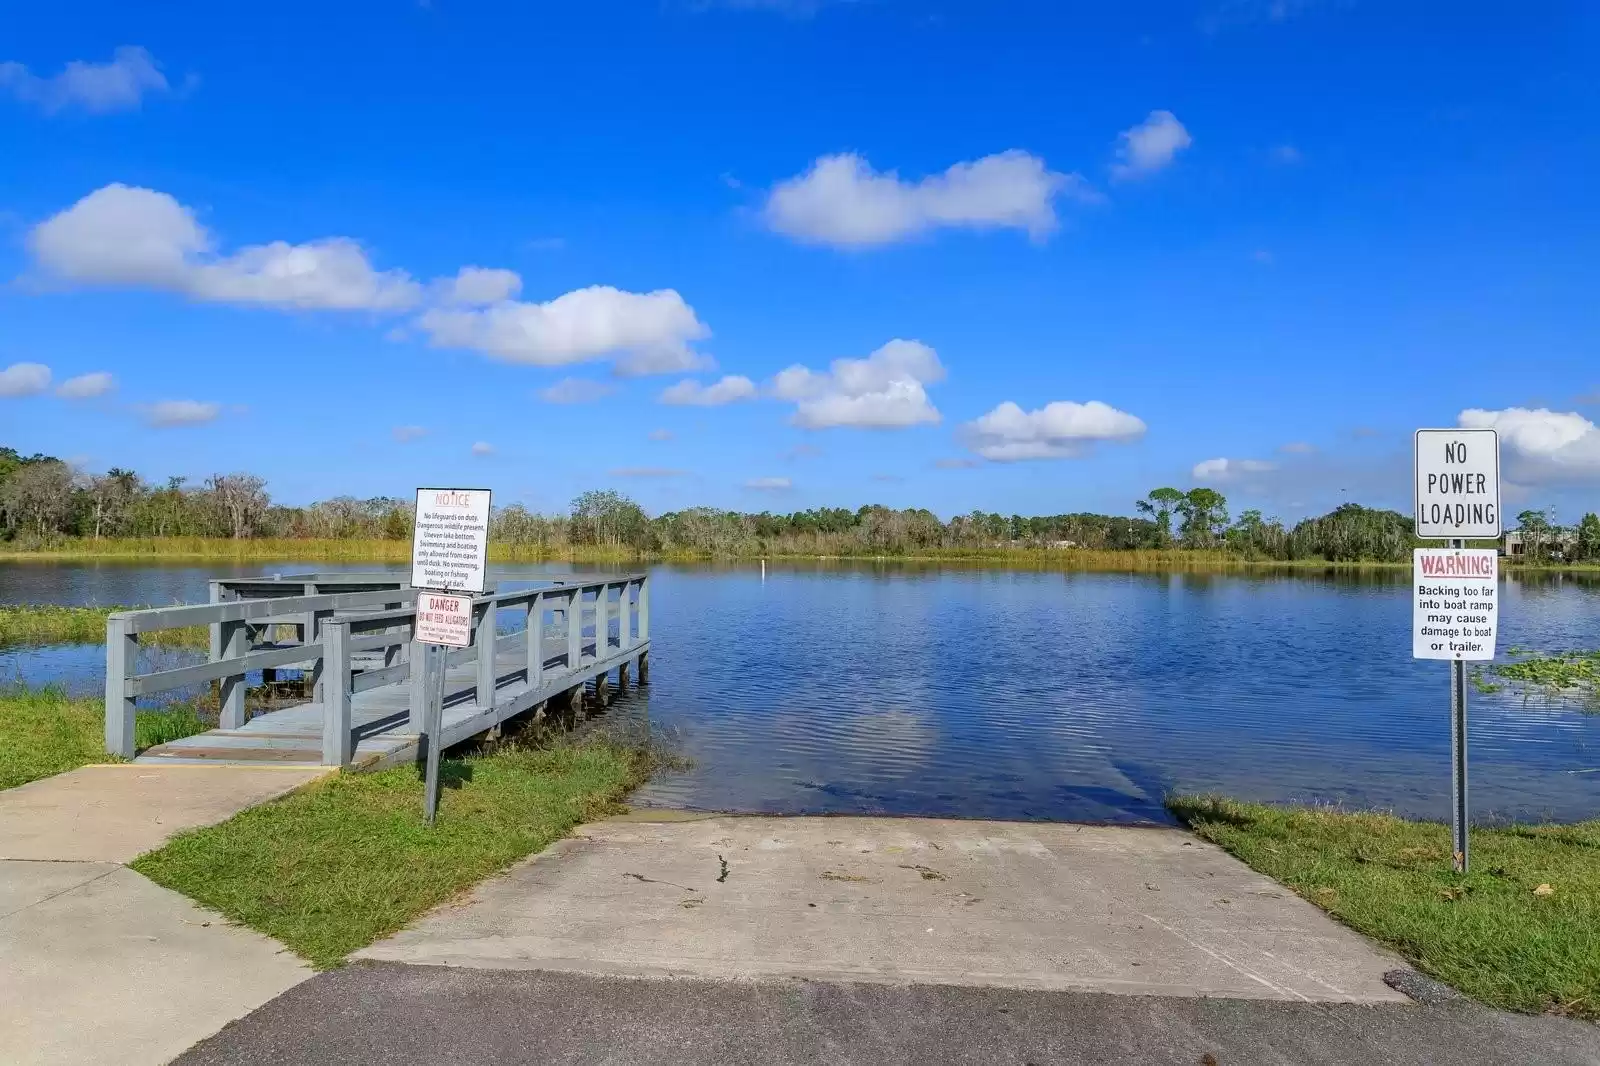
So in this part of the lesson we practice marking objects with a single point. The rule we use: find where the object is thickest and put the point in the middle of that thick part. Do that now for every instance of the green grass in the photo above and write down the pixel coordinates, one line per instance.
(337, 865)
(34, 625)
(1494, 933)
(44, 731)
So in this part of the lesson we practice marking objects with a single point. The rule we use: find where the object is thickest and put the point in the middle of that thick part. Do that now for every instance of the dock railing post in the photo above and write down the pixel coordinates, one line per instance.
(536, 641)
(233, 640)
(314, 623)
(575, 629)
(624, 624)
(122, 657)
(644, 608)
(337, 743)
(602, 621)
(419, 661)
(483, 638)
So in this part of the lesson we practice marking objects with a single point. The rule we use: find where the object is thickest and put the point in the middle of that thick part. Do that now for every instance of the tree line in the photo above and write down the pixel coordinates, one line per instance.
(43, 500)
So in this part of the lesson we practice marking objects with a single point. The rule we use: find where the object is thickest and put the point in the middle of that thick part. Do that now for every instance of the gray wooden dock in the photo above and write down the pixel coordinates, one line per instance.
(368, 679)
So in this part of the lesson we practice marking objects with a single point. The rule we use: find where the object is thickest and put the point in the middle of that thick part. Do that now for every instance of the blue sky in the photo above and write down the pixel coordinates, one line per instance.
(1070, 252)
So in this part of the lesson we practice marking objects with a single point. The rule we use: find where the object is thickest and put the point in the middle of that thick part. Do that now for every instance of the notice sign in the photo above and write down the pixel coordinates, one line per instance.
(1457, 603)
(443, 619)
(450, 541)
(1458, 484)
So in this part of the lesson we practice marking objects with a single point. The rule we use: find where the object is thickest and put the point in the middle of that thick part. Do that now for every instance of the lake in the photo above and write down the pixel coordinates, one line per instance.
(928, 690)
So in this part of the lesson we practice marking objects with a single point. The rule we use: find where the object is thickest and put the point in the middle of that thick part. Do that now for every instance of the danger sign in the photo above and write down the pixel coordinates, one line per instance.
(443, 619)
(1456, 603)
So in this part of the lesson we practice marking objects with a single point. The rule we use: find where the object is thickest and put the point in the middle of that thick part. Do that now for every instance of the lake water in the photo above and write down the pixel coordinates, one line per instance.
(1010, 694)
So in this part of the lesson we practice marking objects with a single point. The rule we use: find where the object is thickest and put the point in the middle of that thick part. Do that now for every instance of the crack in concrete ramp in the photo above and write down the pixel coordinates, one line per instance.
(904, 901)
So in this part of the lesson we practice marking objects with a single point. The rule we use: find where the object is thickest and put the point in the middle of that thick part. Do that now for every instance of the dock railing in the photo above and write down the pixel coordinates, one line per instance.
(338, 632)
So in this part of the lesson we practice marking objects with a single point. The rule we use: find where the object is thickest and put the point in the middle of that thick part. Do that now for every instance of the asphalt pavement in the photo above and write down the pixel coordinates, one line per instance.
(387, 1012)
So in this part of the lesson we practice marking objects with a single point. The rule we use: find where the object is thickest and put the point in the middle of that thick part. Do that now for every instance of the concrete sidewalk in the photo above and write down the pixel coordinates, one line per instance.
(101, 965)
(995, 904)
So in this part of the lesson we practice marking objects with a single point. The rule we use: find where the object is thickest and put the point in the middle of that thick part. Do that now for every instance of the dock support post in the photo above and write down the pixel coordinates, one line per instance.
(337, 746)
(644, 667)
(421, 690)
(122, 657)
(483, 639)
(536, 642)
(622, 679)
(234, 642)
(574, 629)
(602, 687)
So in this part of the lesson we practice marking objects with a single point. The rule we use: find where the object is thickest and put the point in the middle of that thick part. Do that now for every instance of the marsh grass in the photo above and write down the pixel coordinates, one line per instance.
(44, 731)
(37, 625)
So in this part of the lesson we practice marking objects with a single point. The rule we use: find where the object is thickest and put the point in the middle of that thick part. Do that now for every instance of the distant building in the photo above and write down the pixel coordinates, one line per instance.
(1514, 542)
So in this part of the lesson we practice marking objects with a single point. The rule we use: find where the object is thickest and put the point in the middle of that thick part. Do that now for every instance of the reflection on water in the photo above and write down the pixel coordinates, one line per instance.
(931, 689)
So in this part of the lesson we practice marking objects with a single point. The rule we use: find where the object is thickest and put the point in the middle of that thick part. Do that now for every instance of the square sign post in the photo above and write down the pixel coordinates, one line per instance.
(449, 553)
(1456, 590)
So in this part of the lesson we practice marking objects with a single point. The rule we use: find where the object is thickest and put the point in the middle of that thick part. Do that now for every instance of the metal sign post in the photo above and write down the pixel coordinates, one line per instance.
(449, 553)
(1455, 609)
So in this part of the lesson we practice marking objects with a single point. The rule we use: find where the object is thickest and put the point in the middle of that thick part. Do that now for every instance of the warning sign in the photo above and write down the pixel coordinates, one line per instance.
(444, 619)
(450, 541)
(1456, 603)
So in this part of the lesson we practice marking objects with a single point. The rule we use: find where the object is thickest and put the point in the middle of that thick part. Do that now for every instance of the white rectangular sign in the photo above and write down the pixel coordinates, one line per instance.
(1458, 483)
(450, 541)
(443, 619)
(1456, 603)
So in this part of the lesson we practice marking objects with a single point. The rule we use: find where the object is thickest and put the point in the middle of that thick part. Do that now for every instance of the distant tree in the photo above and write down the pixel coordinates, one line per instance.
(1160, 504)
(1205, 514)
(1536, 531)
(241, 500)
(37, 497)
(609, 519)
(111, 496)
(1589, 536)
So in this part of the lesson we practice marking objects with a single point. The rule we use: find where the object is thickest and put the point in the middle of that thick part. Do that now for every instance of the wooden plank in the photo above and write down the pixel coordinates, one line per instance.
(163, 680)
(200, 614)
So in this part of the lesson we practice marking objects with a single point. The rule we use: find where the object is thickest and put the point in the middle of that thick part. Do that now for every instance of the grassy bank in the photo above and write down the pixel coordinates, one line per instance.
(344, 862)
(41, 624)
(44, 731)
(1521, 931)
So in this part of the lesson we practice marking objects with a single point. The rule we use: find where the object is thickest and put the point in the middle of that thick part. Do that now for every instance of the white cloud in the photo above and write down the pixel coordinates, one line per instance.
(116, 85)
(576, 390)
(883, 391)
(769, 484)
(87, 386)
(406, 434)
(661, 434)
(1226, 470)
(842, 201)
(475, 286)
(1060, 430)
(648, 333)
(181, 413)
(482, 448)
(1297, 447)
(123, 235)
(1150, 145)
(24, 379)
(1542, 446)
(957, 464)
(647, 471)
(730, 389)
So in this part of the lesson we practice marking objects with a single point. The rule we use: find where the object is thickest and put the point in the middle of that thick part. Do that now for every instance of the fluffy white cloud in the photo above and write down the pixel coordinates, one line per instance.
(86, 386)
(689, 392)
(648, 333)
(1060, 430)
(769, 484)
(883, 391)
(842, 201)
(24, 379)
(1150, 145)
(482, 447)
(576, 390)
(181, 413)
(475, 286)
(406, 434)
(123, 235)
(1225, 470)
(116, 85)
(1542, 446)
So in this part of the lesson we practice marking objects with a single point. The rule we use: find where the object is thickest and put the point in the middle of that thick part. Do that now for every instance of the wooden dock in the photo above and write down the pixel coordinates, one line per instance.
(368, 678)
